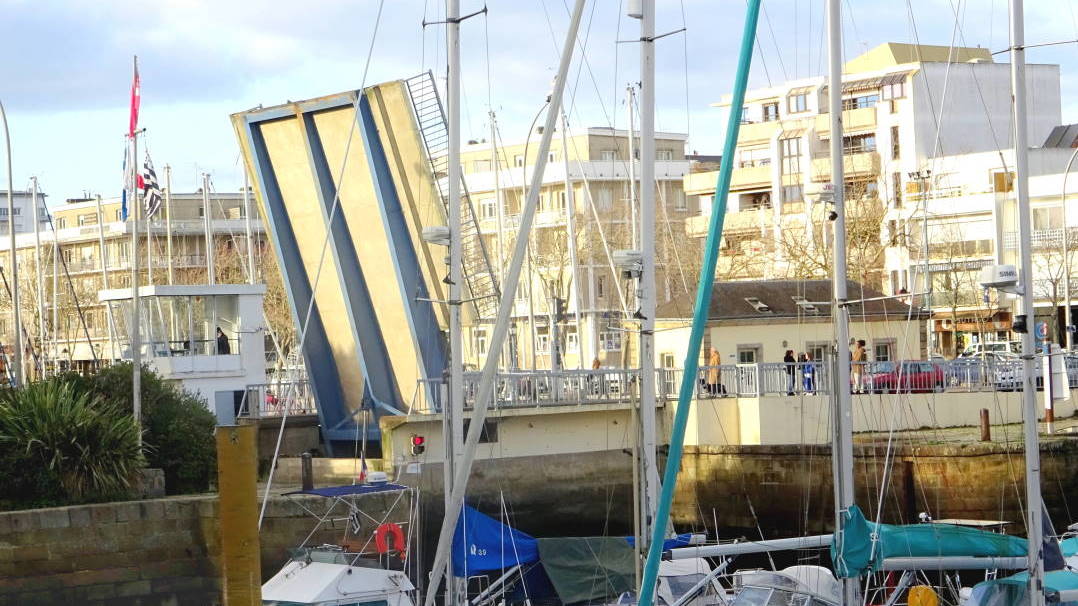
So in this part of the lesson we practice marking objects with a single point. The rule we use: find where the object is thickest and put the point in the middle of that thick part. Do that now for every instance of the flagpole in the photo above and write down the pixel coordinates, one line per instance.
(133, 212)
(40, 280)
(104, 254)
(168, 223)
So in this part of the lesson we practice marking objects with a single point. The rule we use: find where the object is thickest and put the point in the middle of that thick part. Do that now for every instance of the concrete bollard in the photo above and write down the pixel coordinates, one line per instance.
(306, 471)
(986, 426)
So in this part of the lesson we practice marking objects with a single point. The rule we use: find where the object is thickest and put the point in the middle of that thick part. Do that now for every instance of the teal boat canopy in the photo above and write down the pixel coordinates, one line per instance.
(1069, 546)
(858, 557)
(1014, 590)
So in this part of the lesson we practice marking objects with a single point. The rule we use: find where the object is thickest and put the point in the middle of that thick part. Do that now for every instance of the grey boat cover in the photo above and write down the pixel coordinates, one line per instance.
(588, 568)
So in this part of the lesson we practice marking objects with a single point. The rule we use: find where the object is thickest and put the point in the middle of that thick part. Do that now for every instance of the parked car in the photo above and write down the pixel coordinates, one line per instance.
(1002, 347)
(908, 376)
(1008, 377)
(976, 371)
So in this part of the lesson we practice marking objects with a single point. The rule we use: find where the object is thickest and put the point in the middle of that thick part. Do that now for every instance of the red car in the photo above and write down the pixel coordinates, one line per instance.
(908, 376)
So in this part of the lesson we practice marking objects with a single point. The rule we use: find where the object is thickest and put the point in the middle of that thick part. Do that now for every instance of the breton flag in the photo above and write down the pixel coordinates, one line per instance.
(151, 191)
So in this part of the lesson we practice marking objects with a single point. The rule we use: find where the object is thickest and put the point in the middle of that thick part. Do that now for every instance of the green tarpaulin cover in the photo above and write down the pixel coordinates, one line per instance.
(913, 541)
(588, 568)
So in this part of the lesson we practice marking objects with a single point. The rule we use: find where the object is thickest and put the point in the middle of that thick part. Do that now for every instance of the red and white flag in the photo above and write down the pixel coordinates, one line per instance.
(136, 99)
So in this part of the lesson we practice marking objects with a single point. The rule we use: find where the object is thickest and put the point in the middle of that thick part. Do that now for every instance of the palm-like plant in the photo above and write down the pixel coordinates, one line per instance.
(91, 448)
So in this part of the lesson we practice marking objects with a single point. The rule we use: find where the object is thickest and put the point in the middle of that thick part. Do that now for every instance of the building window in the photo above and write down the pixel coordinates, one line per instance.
(605, 198)
(748, 354)
(551, 157)
(820, 351)
(680, 201)
(608, 155)
(61, 222)
(481, 341)
(896, 189)
(88, 219)
(896, 150)
(562, 200)
(753, 157)
(859, 144)
(572, 341)
(518, 160)
(792, 193)
(771, 111)
(600, 287)
(883, 350)
(1048, 218)
(756, 201)
(488, 208)
(610, 340)
(894, 91)
(664, 155)
(797, 103)
(480, 166)
(542, 340)
(790, 150)
(119, 215)
(861, 102)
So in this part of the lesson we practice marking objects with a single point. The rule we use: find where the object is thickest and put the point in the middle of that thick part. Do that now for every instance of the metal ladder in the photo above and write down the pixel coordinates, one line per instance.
(478, 272)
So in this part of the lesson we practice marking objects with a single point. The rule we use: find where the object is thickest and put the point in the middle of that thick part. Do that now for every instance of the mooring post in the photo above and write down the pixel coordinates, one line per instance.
(237, 481)
(307, 471)
(986, 426)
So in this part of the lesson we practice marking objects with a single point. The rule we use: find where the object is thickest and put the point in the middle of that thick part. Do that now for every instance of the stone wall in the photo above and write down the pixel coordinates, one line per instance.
(154, 552)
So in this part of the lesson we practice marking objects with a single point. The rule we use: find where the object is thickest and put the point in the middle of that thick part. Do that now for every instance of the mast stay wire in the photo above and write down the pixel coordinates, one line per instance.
(302, 328)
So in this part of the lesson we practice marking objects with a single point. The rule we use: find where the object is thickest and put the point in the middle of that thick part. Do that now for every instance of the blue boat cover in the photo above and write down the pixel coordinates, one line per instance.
(483, 544)
(1069, 546)
(351, 489)
(912, 541)
(1013, 590)
(681, 540)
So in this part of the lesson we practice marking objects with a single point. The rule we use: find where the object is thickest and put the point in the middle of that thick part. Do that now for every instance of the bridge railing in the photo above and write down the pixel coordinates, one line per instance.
(570, 387)
(273, 399)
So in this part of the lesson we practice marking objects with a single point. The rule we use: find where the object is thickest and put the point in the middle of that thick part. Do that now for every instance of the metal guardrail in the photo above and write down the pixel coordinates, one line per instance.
(606, 386)
(271, 400)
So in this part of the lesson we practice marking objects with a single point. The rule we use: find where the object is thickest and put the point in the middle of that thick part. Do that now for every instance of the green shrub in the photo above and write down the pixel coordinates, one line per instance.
(61, 443)
(178, 426)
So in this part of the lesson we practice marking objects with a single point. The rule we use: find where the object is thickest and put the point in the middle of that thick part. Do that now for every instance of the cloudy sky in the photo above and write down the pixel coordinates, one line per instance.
(67, 66)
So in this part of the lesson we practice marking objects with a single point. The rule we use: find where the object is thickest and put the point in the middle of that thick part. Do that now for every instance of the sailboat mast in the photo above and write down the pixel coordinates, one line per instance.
(251, 278)
(136, 337)
(16, 314)
(40, 284)
(102, 252)
(1034, 528)
(629, 97)
(842, 426)
(168, 224)
(207, 226)
(456, 349)
(646, 292)
(570, 234)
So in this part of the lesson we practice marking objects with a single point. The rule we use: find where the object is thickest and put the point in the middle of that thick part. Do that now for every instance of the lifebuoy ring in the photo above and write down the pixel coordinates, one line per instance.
(383, 532)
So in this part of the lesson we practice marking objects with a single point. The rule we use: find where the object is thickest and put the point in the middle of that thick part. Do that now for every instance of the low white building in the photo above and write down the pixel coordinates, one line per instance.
(180, 340)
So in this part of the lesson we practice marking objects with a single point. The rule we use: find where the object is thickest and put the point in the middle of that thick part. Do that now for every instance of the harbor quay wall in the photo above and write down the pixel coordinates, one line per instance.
(788, 490)
(160, 552)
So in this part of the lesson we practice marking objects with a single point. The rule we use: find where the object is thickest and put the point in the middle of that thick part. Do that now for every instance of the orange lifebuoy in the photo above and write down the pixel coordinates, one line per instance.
(381, 534)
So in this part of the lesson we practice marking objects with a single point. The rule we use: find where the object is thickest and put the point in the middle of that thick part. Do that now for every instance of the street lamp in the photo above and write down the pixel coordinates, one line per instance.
(923, 176)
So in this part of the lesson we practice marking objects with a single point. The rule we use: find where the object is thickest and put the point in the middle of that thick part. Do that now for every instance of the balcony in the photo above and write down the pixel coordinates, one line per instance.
(852, 120)
(855, 165)
(1043, 239)
(700, 184)
(753, 176)
(757, 132)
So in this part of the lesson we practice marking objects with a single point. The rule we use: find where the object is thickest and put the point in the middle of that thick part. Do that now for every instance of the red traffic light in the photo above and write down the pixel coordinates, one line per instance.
(418, 440)
(419, 444)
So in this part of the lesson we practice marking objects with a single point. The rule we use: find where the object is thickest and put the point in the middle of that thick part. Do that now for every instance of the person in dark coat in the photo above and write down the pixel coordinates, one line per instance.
(223, 347)
(791, 371)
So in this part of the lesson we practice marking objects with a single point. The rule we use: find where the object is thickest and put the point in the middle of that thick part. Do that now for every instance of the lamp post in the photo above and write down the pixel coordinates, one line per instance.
(926, 299)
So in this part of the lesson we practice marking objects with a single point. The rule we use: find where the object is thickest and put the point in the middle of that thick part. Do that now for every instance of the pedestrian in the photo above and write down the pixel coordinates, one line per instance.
(808, 373)
(595, 377)
(713, 362)
(857, 358)
(223, 348)
(791, 370)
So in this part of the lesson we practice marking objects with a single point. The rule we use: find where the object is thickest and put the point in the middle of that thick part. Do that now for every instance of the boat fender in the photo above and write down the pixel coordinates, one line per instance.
(381, 534)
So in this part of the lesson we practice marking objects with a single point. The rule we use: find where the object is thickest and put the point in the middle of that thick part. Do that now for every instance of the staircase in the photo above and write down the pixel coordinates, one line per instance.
(478, 272)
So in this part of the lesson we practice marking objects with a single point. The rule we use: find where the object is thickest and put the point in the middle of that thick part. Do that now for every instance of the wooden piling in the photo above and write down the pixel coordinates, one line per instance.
(237, 477)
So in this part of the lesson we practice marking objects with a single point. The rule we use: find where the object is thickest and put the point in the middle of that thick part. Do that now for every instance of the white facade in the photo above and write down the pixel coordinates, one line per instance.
(179, 340)
(24, 212)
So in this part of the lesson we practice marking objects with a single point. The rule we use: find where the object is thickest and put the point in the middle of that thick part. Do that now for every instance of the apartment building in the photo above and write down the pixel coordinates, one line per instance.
(904, 107)
(24, 211)
(594, 166)
(87, 248)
